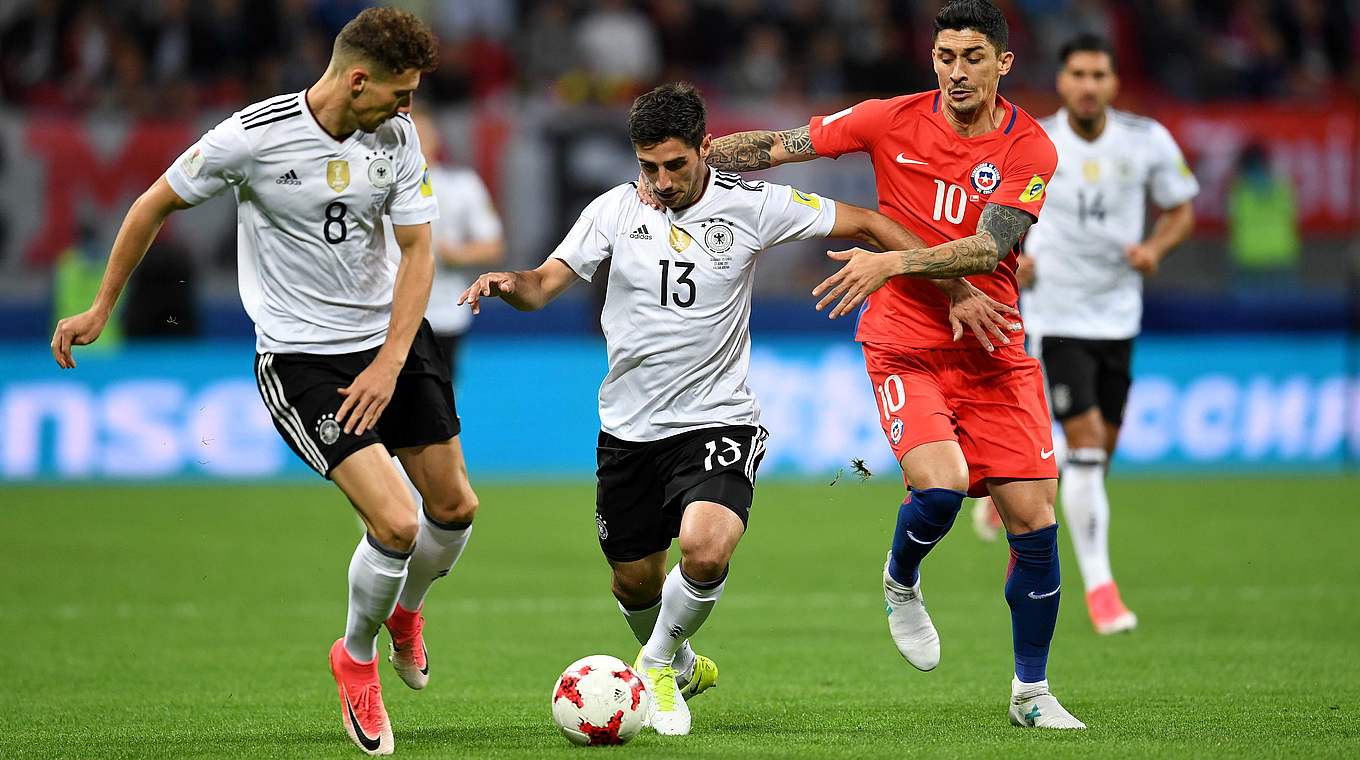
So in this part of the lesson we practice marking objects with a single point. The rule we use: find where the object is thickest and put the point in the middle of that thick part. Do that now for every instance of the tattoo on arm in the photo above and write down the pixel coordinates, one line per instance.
(797, 142)
(1006, 226)
(971, 255)
(742, 151)
(750, 151)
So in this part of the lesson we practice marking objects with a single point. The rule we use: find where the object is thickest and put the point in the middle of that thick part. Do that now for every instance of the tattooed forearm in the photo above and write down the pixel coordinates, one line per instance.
(972, 255)
(751, 151)
(742, 151)
(797, 142)
(1005, 225)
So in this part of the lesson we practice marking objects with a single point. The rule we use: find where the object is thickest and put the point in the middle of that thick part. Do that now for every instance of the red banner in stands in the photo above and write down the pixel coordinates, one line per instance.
(1316, 147)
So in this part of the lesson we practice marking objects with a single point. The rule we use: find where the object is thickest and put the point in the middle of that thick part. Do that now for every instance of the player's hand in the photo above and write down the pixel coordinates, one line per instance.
(644, 192)
(1144, 258)
(988, 319)
(367, 397)
(79, 330)
(1024, 270)
(863, 273)
(489, 285)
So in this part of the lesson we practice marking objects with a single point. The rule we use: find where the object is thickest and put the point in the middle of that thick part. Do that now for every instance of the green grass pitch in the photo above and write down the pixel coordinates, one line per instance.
(183, 622)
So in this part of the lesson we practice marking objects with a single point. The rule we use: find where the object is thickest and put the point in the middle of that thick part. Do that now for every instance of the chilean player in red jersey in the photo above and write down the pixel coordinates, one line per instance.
(965, 170)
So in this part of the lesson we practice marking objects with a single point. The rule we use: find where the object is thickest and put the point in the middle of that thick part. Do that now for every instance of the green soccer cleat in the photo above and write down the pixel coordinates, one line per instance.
(700, 678)
(669, 715)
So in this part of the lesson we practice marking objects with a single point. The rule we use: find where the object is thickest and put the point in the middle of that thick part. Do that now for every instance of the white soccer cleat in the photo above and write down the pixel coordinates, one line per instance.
(986, 520)
(669, 715)
(909, 623)
(1032, 706)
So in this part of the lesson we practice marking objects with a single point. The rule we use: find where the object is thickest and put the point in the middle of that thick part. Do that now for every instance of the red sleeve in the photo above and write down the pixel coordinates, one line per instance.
(849, 131)
(1028, 170)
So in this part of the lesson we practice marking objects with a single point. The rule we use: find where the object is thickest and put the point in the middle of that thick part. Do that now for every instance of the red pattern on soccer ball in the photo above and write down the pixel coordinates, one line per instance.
(628, 676)
(606, 734)
(566, 689)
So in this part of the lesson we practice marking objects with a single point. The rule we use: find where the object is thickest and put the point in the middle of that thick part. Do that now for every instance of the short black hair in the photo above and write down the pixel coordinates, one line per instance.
(671, 110)
(980, 16)
(1087, 42)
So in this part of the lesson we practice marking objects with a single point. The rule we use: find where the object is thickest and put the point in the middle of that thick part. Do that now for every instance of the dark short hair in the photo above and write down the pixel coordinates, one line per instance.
(671, 110)
(1087, 42)
(978, 15)
(391, 38)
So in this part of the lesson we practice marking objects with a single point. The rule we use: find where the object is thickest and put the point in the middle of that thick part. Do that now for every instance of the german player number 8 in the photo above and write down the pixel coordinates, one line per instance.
(891, 395)
(950, 202)
(727, 457)
(335, 218)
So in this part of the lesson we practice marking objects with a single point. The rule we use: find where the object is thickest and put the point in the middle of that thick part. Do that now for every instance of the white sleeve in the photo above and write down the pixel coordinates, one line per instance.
(789, 214)
(413, 200)
(220, 158)
(1171, 182)
(591, 240)
(483, 221)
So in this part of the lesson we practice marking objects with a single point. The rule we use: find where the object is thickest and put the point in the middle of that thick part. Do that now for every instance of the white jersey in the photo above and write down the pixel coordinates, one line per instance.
(465, 216)
(678, 303)
(1084, 286)
(313, 268)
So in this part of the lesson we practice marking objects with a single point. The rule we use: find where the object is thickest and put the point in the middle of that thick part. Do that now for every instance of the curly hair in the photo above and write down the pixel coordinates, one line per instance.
(391, 38)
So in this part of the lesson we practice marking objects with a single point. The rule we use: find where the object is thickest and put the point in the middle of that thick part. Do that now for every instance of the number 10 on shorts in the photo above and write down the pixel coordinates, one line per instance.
(891, 396)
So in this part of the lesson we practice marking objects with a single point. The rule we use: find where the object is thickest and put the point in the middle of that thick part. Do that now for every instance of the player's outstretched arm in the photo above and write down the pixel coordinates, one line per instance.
(139, 228)
(761, 149)
(527, 291)
(866, 271)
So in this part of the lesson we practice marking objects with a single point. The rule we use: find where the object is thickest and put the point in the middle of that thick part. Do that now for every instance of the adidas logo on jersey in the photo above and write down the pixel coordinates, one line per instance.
(291, 178)
(641, 233)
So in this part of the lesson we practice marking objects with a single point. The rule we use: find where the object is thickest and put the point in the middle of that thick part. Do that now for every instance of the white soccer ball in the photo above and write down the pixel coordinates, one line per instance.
(600, 700)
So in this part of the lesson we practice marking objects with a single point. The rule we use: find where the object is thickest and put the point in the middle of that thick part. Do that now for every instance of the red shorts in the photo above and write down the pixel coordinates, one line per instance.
(992, 404)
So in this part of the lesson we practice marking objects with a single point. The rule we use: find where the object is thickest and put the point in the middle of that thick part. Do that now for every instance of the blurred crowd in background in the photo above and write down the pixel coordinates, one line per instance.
(172, 56)
(96, 98)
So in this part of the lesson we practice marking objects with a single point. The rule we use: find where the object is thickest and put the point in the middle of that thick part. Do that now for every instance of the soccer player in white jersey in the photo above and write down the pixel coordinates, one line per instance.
(681, 438)
(345, 363)
(1088, 257)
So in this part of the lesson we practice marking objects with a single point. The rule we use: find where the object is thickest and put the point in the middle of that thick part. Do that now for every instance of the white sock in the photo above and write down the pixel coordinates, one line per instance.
(437, 549)
(684, 607)
(643, 621)
(1086, 512)
(376, 574)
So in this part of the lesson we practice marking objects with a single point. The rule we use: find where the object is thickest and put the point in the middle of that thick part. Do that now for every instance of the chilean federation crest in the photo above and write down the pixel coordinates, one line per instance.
(986, 178)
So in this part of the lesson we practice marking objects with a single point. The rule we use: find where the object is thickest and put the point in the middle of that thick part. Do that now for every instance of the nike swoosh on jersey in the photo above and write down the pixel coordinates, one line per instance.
(368, 744)
(1033, 595)
(902, 159)
(1045, 454)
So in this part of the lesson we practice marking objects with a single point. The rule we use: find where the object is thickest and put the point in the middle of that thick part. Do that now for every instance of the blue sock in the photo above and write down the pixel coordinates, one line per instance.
(1032, 592)
(922, 520)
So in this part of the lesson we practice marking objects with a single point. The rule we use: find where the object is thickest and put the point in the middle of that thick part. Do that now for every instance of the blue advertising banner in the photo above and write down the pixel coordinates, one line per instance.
(191, 411)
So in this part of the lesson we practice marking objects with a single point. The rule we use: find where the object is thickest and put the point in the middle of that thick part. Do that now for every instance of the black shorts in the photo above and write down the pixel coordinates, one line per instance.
(643, 488)
(301, 392)
(1084, 373)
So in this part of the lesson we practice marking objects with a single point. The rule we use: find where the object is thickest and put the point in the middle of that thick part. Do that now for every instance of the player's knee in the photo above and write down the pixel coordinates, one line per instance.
(460, 507)
(398, 532)
(1037, 519)
(707, 563)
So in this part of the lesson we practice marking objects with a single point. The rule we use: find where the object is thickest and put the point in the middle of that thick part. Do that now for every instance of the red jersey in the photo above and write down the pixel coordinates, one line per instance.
(935, 183)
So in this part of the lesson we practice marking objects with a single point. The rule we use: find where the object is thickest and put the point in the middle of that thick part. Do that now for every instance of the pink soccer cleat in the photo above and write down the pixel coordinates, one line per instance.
(409, 656)
(361, 705)
(1108, 613)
